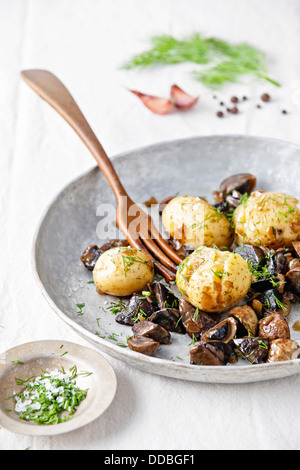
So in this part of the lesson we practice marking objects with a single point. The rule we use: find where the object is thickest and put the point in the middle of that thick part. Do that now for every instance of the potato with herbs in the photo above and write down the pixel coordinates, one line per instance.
(122, 271)
(267, 219)
(194, 222)
(213, 280)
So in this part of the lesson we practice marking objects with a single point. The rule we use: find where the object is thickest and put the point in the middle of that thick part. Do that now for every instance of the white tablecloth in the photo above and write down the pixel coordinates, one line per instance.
(84, 42)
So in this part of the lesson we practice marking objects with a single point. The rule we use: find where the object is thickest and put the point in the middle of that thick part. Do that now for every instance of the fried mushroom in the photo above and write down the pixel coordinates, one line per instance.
(223, 331)
(255, 350)
(136, 307)
(274, 327)
(152, 330)
(283, 350)
(169, 319)
(165, 298)
(247, 320)
(143, 345)
(212, 353)
(194, 320)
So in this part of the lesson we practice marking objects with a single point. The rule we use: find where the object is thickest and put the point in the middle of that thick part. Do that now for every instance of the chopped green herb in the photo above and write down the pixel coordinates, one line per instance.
(224, 62)
(50, 398)
(80, 306)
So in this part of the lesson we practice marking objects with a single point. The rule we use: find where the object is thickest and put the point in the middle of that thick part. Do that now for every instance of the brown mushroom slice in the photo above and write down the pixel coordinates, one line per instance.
(293, 280)
(91, 254)
(143, 345)
(243, 183)
(283, 350)
(210, 353)
(294, 263)
(289, 298)
(137, 306)
(253, 254)
(223, 331)
(169, 319)
(296, 246)
(255, 350)
(247, 320)
(274, 326)
(194, 320)
(152, 330)
(165, 298)
(257, 307)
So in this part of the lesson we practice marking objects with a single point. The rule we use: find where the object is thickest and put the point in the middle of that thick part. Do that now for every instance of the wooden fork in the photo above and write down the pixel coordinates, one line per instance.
(136, 225)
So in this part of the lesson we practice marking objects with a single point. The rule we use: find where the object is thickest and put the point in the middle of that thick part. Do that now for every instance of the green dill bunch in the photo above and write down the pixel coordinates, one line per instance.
(223, 62)
(167, 50)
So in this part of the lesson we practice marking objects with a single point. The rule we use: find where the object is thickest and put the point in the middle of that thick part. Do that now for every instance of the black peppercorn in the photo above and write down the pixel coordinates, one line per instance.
(265, 97)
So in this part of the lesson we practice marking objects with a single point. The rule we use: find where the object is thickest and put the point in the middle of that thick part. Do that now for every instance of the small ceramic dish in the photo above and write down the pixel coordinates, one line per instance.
(94, 373)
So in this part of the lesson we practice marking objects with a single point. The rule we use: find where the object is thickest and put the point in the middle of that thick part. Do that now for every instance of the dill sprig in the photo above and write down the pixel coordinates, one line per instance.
(223, 62)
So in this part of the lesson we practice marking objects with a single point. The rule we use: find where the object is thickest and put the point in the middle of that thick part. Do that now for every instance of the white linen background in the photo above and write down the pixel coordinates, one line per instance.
(84, 42)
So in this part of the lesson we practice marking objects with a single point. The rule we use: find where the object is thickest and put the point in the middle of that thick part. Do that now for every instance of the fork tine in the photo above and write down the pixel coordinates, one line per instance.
(154, 248)
(164, 245)
(137, 243)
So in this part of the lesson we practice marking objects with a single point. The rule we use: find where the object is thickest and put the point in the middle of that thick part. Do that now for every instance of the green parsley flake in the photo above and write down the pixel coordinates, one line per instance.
(51, 398)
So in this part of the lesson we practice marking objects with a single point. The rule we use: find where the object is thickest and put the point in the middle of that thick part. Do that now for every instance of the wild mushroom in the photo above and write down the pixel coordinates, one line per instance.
(223, 331)
(293, 280)
(194, 320)
(283, 350)
(281, 261)
(91, 254)
(243, 183)
(253, 254)
(165, 298)
(169, 319)
(271, 301)
(255, 350)
(247, 320)
(152, 330)
(137, 306)
(274, 326)
(143, 345)
(212, 353)
(294, 263)
(296, 246)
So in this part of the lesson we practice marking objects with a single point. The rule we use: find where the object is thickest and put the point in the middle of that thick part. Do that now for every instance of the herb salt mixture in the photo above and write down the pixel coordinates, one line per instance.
(50, 398)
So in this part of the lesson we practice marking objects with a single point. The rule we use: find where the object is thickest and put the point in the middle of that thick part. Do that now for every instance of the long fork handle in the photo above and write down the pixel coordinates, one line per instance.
(52, 90)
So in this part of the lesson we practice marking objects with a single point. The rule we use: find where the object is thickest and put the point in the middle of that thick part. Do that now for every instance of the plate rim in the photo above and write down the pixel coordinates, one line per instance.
(31, 429)
(135, 358)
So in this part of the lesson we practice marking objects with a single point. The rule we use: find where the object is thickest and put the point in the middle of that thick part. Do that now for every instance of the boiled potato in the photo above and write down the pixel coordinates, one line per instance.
(213, 280)
(194, 222)
(122, 271)
(269, 219)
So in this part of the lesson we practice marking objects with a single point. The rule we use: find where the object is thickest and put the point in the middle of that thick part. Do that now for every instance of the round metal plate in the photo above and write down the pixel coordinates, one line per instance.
(193, 166)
